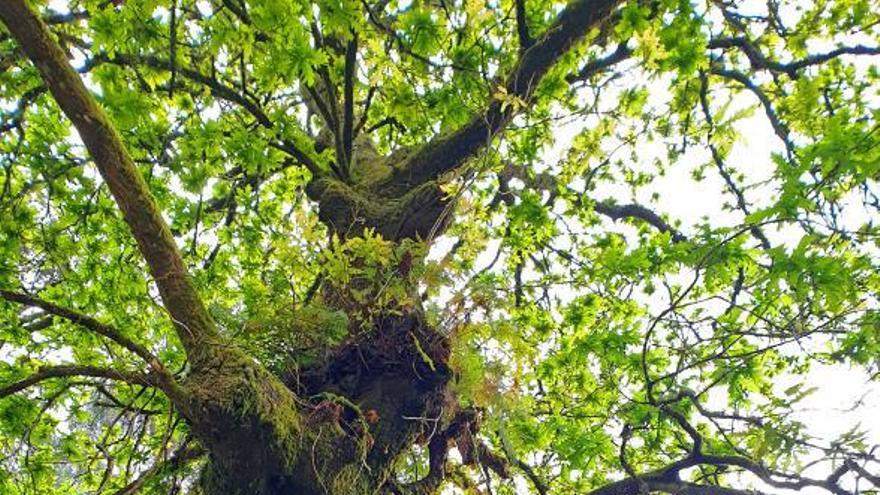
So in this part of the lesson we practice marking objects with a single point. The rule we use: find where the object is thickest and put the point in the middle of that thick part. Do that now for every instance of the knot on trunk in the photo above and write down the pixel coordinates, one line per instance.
(349, 210)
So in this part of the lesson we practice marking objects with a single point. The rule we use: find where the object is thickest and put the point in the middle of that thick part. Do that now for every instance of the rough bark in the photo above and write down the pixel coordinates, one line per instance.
(419, 213)
(448, 152)
(343, 428)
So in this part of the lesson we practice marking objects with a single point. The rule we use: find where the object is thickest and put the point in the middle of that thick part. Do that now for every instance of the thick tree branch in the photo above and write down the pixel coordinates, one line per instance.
(461, 425)
(615, 212)
(238, 10)
(522, 26)
(438, 452)
(821, 58)
(872, 478)
(194, 325)
(642, 485)
(592, 68)
(688, 488)
(448, 152)
(666, 480)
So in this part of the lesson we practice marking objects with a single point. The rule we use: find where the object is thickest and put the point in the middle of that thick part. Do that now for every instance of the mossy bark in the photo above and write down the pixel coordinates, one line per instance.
(335, 428)
(348, 210)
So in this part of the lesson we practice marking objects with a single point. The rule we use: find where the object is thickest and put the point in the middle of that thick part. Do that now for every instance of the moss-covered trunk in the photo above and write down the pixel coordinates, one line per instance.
(334, 428)
(339, 425)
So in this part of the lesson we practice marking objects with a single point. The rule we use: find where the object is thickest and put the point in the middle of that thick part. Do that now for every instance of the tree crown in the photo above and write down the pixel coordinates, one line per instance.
(642, 227)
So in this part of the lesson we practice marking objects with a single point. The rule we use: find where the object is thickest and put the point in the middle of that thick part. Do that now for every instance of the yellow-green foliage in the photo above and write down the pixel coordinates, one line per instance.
(469, 366)
(371, 274)
(279, 334)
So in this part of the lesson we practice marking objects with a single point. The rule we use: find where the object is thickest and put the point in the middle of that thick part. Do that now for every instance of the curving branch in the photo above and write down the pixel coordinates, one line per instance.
(609, 208)
(539, 484)
(667, 480)
(688, 488)
(759, 61)
(459, 432)
(238, 10)
(718, 159)
(65, 371)
(872, 478)
(84, 321)
(779, 127)
(450, 151)
(694, 399)
(639, 486)
(193, 324)
(616, 212)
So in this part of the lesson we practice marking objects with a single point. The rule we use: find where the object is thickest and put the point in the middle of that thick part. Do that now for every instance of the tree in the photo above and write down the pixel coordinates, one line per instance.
(277, 247)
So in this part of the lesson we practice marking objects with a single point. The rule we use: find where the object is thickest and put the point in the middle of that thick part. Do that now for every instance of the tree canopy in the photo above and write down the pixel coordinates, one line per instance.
(436, 246)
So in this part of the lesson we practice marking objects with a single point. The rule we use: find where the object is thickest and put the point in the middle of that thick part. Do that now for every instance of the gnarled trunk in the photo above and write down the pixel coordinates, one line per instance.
(337, 426)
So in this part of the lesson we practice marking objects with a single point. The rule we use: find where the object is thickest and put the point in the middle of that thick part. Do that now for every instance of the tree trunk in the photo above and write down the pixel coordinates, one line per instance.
(340, 425)
(337, 427)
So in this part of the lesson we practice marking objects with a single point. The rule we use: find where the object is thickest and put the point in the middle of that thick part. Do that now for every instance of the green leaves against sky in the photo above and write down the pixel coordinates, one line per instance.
(675, 230)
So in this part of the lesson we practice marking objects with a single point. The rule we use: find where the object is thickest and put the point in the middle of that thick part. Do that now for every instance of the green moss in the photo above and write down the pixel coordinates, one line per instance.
(410, 212)
(418, 346)
(241, 395)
